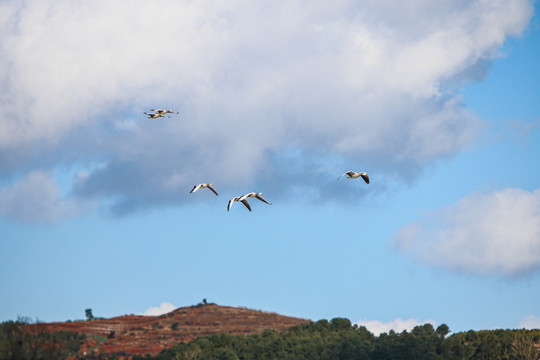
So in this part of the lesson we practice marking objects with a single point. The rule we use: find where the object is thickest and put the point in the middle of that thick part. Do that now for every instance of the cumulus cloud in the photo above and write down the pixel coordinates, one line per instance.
(496, 233)
(398, 325)
(367, 83)
(37, 198)
(530, 322)
(164, 308)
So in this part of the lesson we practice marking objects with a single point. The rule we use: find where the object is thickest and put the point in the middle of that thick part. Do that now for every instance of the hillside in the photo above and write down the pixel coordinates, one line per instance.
(139, 335)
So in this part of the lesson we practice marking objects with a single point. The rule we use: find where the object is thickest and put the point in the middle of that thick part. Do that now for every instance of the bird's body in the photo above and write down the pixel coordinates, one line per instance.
(355, 175)
(242, 199)
(202, 186)
(257, 196)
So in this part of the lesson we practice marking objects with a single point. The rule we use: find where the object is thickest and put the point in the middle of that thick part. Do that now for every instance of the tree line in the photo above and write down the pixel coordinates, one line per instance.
(19, 341)
(336, 339)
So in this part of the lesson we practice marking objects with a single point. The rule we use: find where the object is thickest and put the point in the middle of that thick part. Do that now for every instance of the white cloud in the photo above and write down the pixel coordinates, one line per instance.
(496, 233)
(363, 81)
(37, 198)
(164, 308)
(398, 325)
(530, 322)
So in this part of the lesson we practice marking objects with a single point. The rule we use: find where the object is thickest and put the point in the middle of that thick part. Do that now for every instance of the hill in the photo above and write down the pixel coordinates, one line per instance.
(140, 335)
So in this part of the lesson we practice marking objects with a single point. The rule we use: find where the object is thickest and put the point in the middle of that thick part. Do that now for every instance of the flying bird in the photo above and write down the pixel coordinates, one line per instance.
(257, 196)
(153, 115)
(202, 186)
(163, 111)
(355, 175)
(242, 199)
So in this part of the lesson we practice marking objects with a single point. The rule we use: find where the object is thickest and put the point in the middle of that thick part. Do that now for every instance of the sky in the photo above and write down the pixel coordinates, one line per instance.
(436, 100)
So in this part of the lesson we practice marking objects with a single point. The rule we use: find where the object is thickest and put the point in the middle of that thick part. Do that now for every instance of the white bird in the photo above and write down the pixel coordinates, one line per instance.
(257, 196)
(355, 175)
(202, 186)
(153, 116)
(163, 112)
(242, 199)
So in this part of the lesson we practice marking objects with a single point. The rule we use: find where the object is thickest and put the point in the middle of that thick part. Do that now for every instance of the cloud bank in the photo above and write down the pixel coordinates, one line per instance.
(398, 325)
(37, 198)
(495, 233)
(369, 86)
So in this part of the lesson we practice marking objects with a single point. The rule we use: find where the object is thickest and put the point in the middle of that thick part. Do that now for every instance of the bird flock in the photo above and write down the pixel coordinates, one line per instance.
(157, 113)
(258, 195)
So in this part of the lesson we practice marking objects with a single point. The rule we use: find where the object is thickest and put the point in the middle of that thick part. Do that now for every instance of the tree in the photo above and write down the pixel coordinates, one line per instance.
(442, 330)
(523, 348)
(89, 315)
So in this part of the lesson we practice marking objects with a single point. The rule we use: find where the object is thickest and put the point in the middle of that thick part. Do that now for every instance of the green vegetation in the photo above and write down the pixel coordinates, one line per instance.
(322, 340)
(339, 339)
(18, 343)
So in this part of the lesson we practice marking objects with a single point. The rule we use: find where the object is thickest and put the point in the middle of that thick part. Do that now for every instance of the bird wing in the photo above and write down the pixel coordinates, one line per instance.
(345, 173)
(365, 177)
(213, 190)
(195, 188)
(230, 204)
(262, 199)
(245, 202)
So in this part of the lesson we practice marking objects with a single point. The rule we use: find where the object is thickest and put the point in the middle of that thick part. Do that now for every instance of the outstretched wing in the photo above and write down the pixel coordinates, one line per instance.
(345, 173)
(230, 204)
(213, 190)
(245, 202)
(262, 199)
(365, 177)
(195, 188)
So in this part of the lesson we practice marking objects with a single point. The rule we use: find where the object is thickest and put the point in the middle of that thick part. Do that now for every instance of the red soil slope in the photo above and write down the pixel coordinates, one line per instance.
(132, 334)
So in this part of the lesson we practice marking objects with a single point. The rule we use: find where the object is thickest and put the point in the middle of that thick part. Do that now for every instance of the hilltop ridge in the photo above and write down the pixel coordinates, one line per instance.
(140, 335)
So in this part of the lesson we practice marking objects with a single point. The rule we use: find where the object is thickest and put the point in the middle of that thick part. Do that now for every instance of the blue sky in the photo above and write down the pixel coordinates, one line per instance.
(437, 103)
